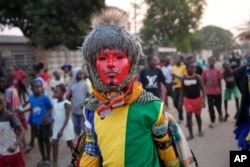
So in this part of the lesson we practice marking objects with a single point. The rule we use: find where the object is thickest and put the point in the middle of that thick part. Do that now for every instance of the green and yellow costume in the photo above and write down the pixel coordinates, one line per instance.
(138, 133)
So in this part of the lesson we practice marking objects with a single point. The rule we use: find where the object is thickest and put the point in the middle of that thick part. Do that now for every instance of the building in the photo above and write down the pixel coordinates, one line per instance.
(15, 50)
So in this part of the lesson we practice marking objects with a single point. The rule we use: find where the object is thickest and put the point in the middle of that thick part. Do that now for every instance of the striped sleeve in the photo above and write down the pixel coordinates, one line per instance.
(173, 150)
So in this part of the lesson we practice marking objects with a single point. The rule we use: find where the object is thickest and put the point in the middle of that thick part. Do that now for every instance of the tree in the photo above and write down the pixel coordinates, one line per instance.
(168, 20)
(217, 39)
(49, 23)
(195, 41)
(244, 32)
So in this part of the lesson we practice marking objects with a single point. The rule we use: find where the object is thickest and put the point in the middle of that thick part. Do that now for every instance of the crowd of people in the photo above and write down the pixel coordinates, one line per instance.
(55, 103)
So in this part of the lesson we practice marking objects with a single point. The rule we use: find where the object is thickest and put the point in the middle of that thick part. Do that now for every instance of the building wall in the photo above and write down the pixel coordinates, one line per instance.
(54, 59)
(17, 54)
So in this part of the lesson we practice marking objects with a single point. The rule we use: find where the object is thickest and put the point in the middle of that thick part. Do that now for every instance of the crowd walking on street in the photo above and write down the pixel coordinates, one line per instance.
(58, 115)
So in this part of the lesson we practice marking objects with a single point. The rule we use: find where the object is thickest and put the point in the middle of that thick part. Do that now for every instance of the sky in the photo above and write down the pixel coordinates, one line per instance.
(228, 14)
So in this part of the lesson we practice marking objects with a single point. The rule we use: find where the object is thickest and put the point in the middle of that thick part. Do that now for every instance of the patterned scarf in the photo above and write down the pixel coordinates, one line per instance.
(112, 99)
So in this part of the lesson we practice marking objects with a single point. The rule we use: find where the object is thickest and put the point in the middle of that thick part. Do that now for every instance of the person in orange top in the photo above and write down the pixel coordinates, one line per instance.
(178, 71)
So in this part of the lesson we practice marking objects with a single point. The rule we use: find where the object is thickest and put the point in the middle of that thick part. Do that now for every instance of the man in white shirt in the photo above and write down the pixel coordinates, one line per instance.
(167, 72)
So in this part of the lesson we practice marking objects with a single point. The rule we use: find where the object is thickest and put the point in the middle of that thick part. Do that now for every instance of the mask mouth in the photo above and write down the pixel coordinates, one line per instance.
(111, 73)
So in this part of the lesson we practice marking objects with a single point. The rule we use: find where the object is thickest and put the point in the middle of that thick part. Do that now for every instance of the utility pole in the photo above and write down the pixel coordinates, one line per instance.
(135, 6)
(135, 13)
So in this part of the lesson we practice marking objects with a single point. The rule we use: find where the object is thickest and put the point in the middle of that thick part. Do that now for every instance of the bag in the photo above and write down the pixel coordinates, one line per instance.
(78, 151)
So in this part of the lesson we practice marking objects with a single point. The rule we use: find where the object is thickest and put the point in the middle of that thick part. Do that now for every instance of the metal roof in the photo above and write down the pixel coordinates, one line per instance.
(10, 39)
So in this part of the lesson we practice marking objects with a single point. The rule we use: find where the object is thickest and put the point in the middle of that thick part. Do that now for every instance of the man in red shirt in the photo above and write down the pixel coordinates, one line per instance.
(212, 81)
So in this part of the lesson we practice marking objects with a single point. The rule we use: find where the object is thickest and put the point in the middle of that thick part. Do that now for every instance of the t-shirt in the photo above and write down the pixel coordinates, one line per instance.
(54, 82)
(78, 91)
(229, 79)
(191, 87)
(12, 98)
(167, 72)
(151, 80)
(39, 107)
(8, 123)
(45, 76)
(179, 71)
(212, 81)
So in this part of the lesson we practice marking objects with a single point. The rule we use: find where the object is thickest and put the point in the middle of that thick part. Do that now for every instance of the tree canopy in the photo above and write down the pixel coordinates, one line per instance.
(244, 32)
(49, 23)
(216, 39)
(169, 20)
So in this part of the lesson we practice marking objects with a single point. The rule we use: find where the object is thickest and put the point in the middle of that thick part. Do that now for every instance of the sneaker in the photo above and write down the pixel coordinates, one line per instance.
(211, 125)
(27, 149)
(40, 163)
(47, 163)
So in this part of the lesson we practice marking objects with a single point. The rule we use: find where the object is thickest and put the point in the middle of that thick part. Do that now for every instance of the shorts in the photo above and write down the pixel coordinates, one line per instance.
(229, 91)
(14, 160)
(41, 131)
(193, 105)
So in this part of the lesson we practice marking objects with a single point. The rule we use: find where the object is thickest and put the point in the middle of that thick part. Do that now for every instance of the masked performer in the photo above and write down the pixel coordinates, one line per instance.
(242, 130)
(125, 125)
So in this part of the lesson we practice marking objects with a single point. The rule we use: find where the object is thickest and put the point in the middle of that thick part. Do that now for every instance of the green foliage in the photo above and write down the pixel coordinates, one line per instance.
(195, 41)
(183, 44)
(170, 19)
(49, 23)
(216, 39)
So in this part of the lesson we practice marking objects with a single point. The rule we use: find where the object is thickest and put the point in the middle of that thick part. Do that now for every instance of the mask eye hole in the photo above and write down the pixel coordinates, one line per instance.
(102, 58)
(119, 57)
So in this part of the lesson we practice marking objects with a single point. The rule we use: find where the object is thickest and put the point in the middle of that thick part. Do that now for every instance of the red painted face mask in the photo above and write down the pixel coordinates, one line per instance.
(113, 66)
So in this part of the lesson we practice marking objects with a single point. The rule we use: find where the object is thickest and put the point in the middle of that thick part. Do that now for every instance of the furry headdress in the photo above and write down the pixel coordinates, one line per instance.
(111, 30)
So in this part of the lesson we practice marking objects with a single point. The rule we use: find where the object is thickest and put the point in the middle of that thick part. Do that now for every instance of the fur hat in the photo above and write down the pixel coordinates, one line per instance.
(111, 30)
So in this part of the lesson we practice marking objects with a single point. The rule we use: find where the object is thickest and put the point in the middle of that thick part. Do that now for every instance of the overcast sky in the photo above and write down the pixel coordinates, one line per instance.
(228, 14)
